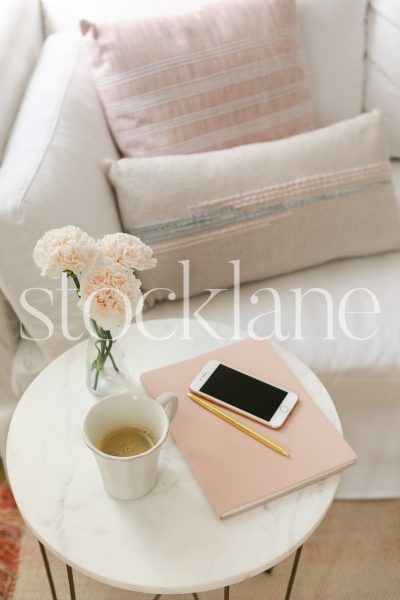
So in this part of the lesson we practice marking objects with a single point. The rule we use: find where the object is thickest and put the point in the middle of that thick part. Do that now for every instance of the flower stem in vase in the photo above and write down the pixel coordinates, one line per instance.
(103, 344)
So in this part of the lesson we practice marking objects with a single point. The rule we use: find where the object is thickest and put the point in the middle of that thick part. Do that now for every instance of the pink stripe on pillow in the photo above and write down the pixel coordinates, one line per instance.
(228, 74)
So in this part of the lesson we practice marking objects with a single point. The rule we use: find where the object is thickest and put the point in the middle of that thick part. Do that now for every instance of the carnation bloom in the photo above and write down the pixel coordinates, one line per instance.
(109, 291)
(64, 248)
(127, 250)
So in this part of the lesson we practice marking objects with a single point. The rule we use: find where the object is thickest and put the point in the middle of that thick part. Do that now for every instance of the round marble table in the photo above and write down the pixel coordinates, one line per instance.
(170, 541)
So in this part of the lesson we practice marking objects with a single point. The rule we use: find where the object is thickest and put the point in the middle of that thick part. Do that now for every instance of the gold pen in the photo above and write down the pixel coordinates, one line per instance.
(222, 415)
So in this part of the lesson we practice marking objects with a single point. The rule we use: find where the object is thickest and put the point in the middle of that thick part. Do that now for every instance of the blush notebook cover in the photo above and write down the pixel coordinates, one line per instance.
(235, 471)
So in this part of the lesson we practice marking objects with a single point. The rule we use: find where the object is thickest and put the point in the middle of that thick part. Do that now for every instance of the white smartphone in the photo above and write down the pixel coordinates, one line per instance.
(244, 394)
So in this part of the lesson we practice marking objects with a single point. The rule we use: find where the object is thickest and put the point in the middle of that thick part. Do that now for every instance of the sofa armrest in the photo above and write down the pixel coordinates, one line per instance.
(51, 176)
(9, 336)
(21, 38)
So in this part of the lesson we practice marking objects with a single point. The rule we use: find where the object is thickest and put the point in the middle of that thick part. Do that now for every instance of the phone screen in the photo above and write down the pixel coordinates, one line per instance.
(244, 392)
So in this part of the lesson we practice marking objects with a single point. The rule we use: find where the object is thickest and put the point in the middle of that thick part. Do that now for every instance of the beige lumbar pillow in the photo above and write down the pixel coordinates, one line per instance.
(277, 206)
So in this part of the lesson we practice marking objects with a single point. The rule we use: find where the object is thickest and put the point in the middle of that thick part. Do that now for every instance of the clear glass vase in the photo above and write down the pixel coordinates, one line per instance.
(106, 368)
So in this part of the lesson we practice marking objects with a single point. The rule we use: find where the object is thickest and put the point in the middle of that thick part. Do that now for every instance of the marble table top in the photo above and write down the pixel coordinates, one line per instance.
(169, 541)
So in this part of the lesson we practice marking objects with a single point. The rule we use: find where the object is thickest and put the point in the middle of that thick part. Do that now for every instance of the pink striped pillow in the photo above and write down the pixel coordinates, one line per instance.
(228, 74)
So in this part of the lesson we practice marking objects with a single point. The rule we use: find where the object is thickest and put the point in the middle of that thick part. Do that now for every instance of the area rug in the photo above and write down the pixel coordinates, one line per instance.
(354, 555)
(11, 531)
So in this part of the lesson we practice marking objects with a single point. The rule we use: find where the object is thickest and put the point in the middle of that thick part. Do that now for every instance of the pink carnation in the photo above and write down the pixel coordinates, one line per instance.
(64, 248)
(127, 250)
(110, 289)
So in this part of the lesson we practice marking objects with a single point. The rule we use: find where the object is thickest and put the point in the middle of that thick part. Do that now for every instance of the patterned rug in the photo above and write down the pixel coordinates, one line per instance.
(11, 532)
(353, 555)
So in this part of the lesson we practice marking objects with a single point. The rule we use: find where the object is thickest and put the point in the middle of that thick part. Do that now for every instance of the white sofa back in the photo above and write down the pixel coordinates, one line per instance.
(21, 39)
(383, 65)
(333, 32)
(338, 36)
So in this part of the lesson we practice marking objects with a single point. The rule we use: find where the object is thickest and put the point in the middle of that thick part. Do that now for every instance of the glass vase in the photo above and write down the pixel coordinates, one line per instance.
(106, 368)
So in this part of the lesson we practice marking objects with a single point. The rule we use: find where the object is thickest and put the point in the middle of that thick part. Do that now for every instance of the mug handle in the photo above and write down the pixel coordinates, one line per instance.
(169, 402)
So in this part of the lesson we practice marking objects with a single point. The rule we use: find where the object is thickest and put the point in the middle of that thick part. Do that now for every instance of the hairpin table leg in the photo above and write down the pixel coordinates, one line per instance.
(226, 593)
(195, 596)
(157, 597)
(71, 583)
(48, 571)
(293, 573)
(269, 571)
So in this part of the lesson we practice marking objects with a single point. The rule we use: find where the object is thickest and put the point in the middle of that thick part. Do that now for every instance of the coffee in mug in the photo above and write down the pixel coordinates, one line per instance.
(125, 434)
(127, 441)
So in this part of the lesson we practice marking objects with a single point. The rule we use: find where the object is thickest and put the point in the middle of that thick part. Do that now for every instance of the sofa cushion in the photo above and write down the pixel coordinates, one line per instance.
(227, 74)
(383, 66)
(51, 176)
(20, 44)
(333, 34)
(326, 194)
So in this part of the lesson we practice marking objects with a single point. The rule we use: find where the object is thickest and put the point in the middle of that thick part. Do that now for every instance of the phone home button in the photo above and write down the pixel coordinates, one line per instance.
(284, 409)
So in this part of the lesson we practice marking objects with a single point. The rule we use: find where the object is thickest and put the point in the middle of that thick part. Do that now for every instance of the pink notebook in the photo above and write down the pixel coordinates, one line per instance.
(235, 471)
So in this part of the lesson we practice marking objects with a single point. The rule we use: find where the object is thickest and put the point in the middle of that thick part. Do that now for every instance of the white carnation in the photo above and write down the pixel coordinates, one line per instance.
(64, 248)
(127, 250)
(111, 290)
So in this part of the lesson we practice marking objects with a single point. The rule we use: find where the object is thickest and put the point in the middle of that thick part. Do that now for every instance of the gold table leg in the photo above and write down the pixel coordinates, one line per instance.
(293, 572)
(48, 571)
(71, 583)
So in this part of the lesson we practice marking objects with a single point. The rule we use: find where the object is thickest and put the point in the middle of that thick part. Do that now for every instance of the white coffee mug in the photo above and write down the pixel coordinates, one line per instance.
(128, 477)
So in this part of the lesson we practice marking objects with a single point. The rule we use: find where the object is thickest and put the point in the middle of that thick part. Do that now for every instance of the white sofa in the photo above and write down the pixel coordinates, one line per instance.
(50, 175)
